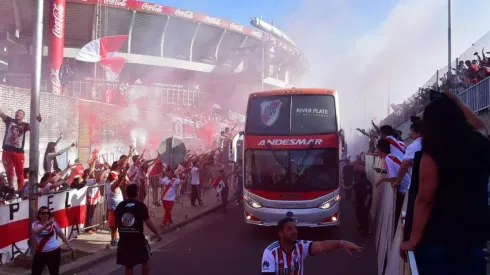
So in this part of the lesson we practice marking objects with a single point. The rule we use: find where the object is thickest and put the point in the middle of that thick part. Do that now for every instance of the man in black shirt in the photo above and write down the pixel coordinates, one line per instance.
(133, 248)
(363, 191)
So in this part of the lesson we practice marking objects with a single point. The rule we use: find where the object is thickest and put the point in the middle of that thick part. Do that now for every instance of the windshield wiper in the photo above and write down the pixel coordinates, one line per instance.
(303, 161)
(269, 146)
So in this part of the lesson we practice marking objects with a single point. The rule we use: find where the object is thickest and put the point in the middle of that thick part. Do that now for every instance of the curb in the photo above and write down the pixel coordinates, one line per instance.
(106, 254)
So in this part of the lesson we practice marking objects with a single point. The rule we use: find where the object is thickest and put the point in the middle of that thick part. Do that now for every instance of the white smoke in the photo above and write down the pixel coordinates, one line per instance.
(399, 54)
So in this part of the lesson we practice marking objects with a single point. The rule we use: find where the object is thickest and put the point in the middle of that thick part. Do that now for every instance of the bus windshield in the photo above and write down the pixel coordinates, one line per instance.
(292, 170)
(299, 114)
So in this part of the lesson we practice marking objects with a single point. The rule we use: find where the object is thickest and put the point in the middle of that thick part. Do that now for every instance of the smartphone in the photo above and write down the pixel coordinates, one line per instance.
(434, 95)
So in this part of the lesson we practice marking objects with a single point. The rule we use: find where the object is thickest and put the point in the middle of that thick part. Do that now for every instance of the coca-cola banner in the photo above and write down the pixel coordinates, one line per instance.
(57, 16)
(190, 15)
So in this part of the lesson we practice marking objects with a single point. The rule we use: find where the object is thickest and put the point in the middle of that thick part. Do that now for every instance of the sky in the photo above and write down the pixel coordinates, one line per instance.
(373, 52)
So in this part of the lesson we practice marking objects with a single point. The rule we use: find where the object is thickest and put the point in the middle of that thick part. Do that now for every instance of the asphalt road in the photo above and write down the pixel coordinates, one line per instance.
(222, 244)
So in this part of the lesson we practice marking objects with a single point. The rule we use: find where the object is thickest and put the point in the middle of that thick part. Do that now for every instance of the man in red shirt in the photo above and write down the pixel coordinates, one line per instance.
(13, 146)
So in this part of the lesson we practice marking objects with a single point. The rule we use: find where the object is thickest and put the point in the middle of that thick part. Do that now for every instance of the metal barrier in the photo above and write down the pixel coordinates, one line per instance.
(477, 97)
(96, 216)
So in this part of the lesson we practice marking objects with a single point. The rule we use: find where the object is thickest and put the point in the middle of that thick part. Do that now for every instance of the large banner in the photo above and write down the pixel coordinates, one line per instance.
(57, 15)
(68, 208)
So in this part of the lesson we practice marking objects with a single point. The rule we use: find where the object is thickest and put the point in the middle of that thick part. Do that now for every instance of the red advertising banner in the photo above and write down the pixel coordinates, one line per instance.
(190, 15)
(57, 15)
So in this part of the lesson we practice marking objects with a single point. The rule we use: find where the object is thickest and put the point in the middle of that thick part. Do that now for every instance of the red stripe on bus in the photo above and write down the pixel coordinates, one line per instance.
(290, 196)
(17, 231)
(291, 142)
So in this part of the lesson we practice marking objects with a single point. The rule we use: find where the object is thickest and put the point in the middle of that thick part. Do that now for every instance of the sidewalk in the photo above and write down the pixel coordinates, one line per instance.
(93, 249)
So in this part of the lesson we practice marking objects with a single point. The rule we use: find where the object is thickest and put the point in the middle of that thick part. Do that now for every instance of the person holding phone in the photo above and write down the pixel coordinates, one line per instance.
(48, 248)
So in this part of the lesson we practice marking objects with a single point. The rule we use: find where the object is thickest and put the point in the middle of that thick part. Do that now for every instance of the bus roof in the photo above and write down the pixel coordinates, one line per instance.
(308, 91)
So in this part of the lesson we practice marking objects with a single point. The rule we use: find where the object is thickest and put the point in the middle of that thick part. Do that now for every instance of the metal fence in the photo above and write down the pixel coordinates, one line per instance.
(118, 93)
(477, 98)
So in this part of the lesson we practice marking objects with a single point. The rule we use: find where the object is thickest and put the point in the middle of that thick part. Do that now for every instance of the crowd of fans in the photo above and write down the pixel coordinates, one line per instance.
(450, 147)
(209, 155)
(466, 74)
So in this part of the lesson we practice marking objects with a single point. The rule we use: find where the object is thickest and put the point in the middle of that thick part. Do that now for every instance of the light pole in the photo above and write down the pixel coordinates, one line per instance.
(34, 124)
(449, 72)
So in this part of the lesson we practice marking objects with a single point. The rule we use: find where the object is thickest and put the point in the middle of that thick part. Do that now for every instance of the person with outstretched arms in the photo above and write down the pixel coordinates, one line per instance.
(286, 255)
(13, 146)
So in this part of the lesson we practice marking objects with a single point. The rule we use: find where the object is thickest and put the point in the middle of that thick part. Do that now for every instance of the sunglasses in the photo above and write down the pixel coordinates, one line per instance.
(45, 213)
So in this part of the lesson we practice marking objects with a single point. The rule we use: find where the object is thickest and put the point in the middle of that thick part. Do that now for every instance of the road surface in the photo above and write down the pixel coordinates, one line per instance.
(221, 244)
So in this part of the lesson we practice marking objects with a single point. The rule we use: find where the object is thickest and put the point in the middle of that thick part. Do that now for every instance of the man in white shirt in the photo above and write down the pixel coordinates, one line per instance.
(392, 164)
(414, 147)
(169, 194)
(195, 185)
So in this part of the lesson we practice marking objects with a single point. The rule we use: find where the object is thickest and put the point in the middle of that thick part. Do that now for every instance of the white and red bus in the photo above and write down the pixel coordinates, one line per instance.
(292, 145)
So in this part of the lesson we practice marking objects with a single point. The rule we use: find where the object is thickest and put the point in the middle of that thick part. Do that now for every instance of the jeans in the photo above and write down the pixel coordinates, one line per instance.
(448, 260)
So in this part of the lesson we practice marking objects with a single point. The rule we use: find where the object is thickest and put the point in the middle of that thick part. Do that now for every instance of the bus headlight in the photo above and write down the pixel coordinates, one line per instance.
(331, 202)
(253, 203)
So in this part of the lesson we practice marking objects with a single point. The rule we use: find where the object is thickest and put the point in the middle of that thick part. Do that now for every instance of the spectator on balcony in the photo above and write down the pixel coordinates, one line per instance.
(454, 167)
(472, 71)
(13, 146)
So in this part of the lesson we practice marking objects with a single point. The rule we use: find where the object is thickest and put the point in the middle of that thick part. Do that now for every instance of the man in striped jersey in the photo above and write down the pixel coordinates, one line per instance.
(285, 257)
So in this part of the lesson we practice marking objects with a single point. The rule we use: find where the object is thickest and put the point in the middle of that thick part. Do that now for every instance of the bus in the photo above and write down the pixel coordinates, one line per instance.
(292, 146)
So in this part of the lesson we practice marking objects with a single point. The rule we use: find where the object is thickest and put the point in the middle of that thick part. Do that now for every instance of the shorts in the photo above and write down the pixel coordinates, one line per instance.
(111, 218)
(132, 253)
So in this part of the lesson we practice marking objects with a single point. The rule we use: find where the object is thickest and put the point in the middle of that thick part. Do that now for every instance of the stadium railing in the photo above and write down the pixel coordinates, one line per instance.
(161, 94)
(477, 98)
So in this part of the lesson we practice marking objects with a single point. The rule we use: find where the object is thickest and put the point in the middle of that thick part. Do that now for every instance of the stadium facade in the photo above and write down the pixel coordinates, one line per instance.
(165, 46)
